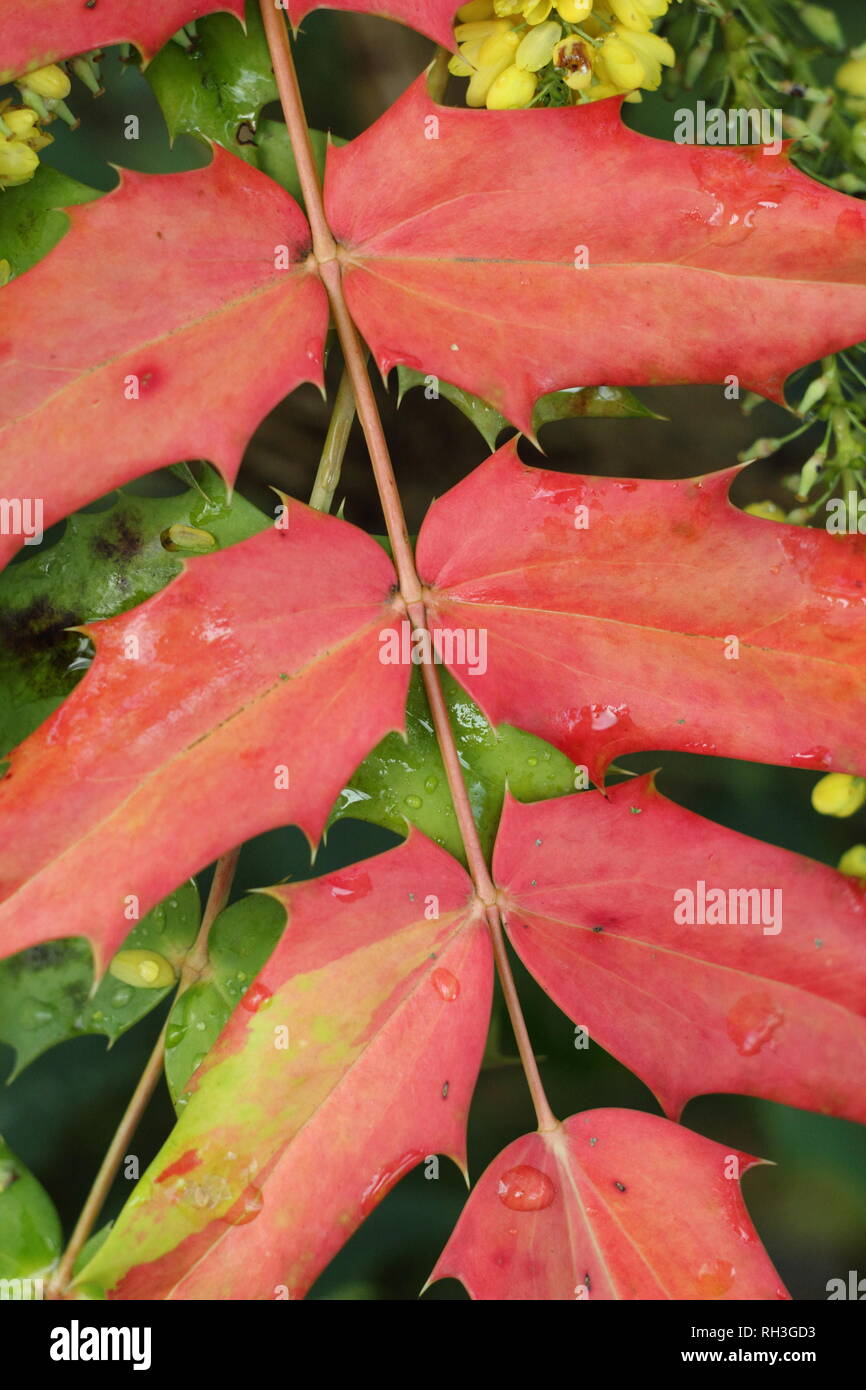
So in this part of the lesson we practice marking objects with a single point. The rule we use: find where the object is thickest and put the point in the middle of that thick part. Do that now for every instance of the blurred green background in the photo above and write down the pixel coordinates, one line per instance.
(61, 1112)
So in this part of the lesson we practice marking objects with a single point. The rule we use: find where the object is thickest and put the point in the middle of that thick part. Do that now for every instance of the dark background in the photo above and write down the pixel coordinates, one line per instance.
(60, 1114)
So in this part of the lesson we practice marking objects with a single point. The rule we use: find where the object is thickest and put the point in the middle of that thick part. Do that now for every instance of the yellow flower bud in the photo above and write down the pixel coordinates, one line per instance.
(476, 9)
(768, 510)
(574, 11)
(853, 861)
(574, 60)
(499, 50)
(536, 49)
(508, 7)
(144, 969)
(650, 50)
(458, 66)
(851, 77)
(18, 162)
(622, 64)
(601, 90)
(838, 794)
(536, 11)
(631, 14)
(480, 29)
(20, 121)
(51, 82)
(512, 89)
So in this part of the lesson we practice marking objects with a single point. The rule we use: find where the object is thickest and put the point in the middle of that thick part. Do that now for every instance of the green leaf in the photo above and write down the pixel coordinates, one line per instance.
(240, 941)
(588, 402)
(277, 160)
(405, 781)
(30, 1233)
(217, 87)
(30, 220)
(104, 563)
(45, 992)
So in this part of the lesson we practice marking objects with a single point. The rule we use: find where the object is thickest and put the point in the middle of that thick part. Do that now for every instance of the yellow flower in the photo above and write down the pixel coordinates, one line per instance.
(627, 54)
(496, 54)
(536, 48)
(574, 11)
(508, 7)
(476, 9)
(22, 125)
(52, 83)
(18, 162)
(536, 11)
(638, 15)
(853, 861)
(458, 66)
(512, 89)
(574, 59)
(851, 77)
(838, 794)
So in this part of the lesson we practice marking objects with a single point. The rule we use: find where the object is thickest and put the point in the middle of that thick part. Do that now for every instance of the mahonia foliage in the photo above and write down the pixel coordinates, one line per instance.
(327, 1035)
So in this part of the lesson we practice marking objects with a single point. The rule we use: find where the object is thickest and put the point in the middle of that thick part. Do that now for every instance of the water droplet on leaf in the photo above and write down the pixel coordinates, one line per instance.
(526, 1189)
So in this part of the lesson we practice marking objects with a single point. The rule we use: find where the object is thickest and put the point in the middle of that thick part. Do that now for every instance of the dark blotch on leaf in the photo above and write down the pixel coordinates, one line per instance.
(122, 543)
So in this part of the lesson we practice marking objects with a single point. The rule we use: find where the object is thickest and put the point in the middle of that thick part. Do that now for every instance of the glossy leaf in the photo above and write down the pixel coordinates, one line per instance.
(435, 18)
(620, 615)
(104, 563)
(35, 32)
(205, 719)
(46, 992)
(352, 1057)
(31, 217)
(403, 780)
(240, 941)
(179, 273)
(702, 263)
(218, 86)
(614, 1204)
(769, 1000)
(580, 402)
(30, 1233)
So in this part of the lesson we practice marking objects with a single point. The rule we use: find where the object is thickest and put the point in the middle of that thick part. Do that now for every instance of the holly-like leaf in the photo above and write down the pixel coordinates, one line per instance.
(30, 1233)
(240, 941)
(104, 563)
(218, 86)
(31, 217)
(35, 32)
(140, 339)
(205, 719)
(610, 615)
(403, 780)
(577, 403)
(46, 992)
(515, 252)
(614, 1204)
(758, 990)
(351, 1058)
(435, 18)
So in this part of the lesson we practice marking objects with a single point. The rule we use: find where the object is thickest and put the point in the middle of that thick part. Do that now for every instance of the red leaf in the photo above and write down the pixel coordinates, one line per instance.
(691, 1008)
(612, 639)
(35, 32)
(386, 1014)
(166, 287)
(616, 1204)
(167, 753)
(459, 253)
(432, 17)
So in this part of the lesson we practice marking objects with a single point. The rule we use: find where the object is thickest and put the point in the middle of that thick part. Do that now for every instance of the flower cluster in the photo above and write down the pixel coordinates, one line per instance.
(520, 53)
(21, 132)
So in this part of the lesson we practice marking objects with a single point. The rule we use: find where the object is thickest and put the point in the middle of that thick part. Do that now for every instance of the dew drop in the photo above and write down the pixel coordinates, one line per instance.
(752, 1022)
(431, 784)
(526, 1189)
(200, 1025)
(257, 997)
(175, 1035)
(715, 1278)
(414, 802)
(247, 1208)
(121, 997)
(34, 1014)
(349, 886)
(533, 762)
(445, 984)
